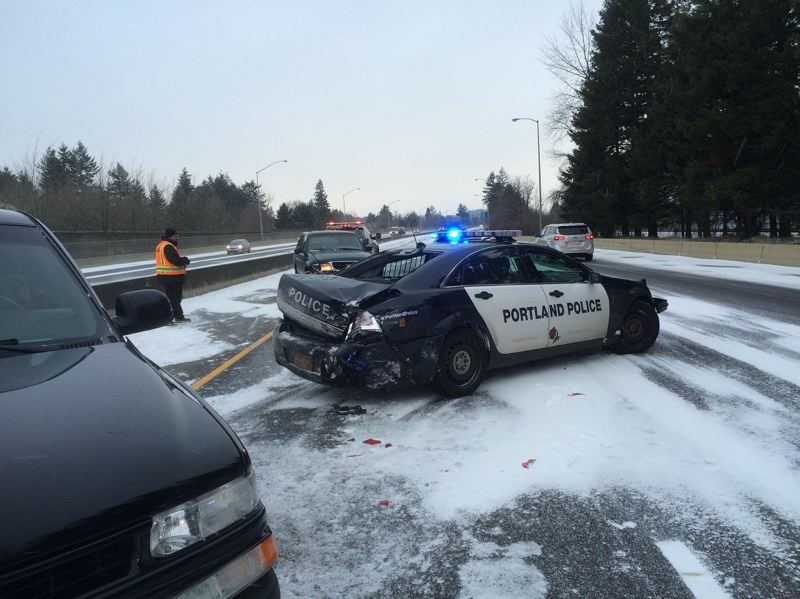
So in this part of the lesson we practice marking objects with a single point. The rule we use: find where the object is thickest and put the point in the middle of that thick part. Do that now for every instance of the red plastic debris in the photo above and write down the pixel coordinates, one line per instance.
(388, 445)
(384, 502)
(372, 441)
(574, 393)
(528, 463)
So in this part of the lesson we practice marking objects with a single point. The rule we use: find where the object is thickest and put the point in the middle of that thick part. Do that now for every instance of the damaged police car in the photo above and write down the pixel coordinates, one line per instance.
(448, 312)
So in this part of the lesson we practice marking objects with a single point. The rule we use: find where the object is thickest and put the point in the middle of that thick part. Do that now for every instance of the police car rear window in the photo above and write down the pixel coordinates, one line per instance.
(574, 230)
(389, 266)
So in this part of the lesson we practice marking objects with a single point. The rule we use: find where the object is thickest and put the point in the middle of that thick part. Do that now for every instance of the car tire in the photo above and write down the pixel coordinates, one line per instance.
(462, 364)
(639, 329)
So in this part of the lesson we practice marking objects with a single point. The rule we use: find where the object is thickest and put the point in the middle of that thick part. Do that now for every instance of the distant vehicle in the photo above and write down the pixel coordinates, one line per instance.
(238, 246)
(328, 252)
(397, 231)
(369, 240)
(117, 479)
(574, 239)
(447, 312)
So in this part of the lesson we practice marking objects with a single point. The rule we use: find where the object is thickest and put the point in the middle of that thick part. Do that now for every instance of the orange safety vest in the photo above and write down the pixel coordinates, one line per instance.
(164, 266)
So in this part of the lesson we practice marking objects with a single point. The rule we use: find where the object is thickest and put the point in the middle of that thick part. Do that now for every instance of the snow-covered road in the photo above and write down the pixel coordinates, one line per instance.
(670, 474)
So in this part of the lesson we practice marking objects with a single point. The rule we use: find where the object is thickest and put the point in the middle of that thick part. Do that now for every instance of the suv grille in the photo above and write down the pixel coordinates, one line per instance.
(341, 265)
(78, 573)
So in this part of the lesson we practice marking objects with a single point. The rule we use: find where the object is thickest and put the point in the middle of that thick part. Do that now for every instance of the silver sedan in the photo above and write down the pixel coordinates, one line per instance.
(238, 246)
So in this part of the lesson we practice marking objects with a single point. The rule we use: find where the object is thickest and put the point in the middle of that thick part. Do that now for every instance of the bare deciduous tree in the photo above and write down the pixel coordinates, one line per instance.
(568, 57)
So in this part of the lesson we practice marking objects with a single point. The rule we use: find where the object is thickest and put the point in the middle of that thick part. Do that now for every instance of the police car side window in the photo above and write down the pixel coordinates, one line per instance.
(552, 268)
(499, 266)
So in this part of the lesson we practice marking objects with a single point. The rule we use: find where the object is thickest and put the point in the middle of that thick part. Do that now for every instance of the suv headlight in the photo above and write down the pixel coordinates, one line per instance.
(186, 524)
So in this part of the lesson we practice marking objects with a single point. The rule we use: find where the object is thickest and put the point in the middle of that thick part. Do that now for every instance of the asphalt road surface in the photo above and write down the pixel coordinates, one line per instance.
(669, 474)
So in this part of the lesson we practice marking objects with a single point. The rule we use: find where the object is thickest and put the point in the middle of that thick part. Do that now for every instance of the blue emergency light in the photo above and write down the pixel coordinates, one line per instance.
(454, 235)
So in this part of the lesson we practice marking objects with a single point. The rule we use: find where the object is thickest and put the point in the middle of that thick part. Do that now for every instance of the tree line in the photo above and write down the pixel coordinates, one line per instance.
(70, 190)
(684, 115)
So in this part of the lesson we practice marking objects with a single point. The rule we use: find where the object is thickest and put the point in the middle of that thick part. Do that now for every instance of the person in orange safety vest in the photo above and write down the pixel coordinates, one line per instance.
(171, 271)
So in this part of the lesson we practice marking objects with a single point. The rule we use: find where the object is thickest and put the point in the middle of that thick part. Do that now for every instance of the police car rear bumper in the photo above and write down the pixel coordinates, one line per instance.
(376, 365)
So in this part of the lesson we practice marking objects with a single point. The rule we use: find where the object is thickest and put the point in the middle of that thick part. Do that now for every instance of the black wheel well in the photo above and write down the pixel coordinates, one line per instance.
(479, 332)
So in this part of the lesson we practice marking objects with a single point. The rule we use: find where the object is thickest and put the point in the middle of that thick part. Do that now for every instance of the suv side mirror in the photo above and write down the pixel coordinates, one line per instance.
(141, 310)
(594, 277)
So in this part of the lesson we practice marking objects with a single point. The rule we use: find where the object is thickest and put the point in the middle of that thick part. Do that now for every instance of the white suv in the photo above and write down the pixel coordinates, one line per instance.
(575, 239)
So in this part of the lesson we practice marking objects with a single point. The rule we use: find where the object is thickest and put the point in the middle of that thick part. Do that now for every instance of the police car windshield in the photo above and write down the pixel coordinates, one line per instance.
(389, 266)
(41, 301)
(334, 241)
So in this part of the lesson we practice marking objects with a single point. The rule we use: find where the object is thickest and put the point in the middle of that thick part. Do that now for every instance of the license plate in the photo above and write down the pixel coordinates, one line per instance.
(302, 361)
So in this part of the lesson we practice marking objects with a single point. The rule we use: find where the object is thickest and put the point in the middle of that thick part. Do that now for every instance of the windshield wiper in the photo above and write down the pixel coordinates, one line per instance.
(10, 345)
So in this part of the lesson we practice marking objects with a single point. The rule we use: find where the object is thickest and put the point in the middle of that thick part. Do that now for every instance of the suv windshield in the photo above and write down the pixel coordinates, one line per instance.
(41, 302)
(334, 241)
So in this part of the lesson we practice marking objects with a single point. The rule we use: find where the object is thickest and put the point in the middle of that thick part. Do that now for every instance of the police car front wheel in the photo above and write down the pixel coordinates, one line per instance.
(639, 329)
(462, 364)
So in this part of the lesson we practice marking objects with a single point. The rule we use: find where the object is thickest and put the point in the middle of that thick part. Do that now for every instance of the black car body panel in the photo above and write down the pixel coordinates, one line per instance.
(95, 440)
(51, 432)
(420, 308)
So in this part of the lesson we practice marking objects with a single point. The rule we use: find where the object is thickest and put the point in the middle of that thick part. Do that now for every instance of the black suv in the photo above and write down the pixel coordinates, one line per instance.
(328, 252)
(117, 479)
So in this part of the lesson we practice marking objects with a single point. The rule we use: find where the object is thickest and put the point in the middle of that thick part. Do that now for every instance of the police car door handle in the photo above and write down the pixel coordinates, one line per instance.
(556, 293)
(483, 295)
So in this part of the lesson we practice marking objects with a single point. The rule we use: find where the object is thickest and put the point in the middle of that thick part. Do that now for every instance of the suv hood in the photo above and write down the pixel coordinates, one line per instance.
(72, 420)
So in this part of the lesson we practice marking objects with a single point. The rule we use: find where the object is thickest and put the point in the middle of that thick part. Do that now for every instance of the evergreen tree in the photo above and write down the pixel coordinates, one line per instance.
(462, 212)
(283, 218)
(180, 207)
(118, 190)
(321, 205)
(156, 207)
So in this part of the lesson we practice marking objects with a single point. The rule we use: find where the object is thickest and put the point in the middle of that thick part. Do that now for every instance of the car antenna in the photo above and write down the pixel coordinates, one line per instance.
(419, 245)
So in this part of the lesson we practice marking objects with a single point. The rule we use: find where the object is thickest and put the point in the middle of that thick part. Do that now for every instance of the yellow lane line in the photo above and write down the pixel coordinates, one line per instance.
(228, 363)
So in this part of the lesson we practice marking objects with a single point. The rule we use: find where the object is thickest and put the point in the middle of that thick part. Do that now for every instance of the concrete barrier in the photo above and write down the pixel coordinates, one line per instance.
(782, 254)
(697, 249)
(741, 252)
(200, 280)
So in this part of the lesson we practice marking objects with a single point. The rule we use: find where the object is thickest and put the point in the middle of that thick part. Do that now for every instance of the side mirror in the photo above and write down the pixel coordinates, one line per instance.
(594, 277)
(141, 310)
(377, 236)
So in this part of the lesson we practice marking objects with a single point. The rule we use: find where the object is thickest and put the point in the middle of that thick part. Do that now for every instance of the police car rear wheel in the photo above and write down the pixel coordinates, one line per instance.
(461, 366)
(639, 329)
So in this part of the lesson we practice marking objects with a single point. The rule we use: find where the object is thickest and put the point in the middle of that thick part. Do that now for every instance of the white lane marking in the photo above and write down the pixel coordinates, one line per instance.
(693, 573)
(622, 526)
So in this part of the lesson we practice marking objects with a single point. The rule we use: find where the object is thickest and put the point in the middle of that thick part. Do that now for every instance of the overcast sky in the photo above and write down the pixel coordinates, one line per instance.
(408, 100)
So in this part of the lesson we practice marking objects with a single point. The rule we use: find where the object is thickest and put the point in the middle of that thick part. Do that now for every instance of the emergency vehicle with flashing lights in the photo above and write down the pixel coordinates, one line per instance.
(446, 312)
(368, 240)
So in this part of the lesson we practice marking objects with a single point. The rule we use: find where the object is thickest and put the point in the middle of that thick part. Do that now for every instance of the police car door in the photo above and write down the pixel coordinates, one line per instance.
(578, 309)
(511, 305)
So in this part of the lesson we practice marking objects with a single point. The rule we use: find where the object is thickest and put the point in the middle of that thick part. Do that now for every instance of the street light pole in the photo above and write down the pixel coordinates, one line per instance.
(539, 158)
(389, 212)
(344, 195)
(260, 219)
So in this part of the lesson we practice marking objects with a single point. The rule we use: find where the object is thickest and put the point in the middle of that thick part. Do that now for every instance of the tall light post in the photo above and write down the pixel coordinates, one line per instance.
(389, 212)
(344, 195)
(539, 157)
(260, 219)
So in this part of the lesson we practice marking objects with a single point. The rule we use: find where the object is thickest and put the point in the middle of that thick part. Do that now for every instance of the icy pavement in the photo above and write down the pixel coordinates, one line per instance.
(668, 474)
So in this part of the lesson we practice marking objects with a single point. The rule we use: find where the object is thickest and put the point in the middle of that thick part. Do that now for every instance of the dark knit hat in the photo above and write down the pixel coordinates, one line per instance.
(170, 232)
